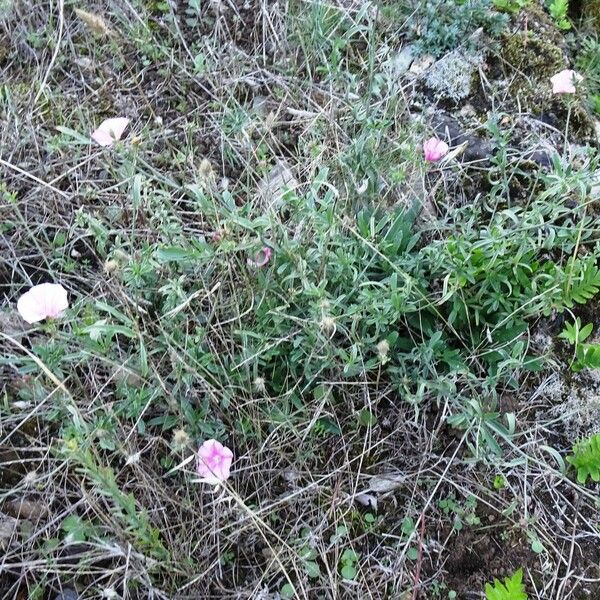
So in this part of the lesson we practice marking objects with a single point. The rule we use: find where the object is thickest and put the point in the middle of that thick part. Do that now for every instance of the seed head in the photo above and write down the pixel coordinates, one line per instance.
(180, 440)
(259, 385)
(383, 349)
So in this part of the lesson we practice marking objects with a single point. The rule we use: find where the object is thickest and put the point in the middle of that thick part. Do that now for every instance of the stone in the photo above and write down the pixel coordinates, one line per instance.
(67, 594)
(421, 64)
(8, 526)
(272, 187)
(401, 61)
(454, 74)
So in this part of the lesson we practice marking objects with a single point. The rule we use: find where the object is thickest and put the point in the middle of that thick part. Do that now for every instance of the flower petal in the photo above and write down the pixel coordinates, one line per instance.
(564, 82)
(214, 462)
(46, 300)
(434, 149)
(261, 258)
(110, 131)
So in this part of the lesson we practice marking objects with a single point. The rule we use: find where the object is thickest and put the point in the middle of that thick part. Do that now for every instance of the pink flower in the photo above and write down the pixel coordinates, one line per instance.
(214, 462)
(47, 300)
(434, 149)
(110, 131)
(564, 82)
(261, 258)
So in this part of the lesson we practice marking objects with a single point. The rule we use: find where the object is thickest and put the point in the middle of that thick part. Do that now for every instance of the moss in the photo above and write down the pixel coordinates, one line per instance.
(582, 123)
(532, 60)
(532, 56)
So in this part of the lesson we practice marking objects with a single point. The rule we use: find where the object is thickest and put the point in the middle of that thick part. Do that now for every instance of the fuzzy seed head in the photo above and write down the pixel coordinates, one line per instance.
(383, 349)
(324, 304)
(205, 168)
(111, 266)
(327, 324)
(180, 440)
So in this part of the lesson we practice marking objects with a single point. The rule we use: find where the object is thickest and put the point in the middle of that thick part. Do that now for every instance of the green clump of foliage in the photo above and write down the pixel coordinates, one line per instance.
(586, 355)
(511, 6)
(511, 589)
(349, 292)
(559, 10)
(439, 27)
(586, 459)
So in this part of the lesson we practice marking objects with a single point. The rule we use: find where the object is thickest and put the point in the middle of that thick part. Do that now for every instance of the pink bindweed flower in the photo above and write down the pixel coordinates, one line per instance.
(261, 258)
(214, 462)
(110, 131)
(564, 82)
(43, 301)
(434, 149)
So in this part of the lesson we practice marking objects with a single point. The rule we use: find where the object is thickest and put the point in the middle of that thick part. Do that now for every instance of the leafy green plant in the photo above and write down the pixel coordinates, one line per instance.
(136, 522)
(586, 355)
(326, 34)
(462, 514)
(348, 562)
(442, 26)
(558, 11)
(585, 287)
(586, 459)
(307, 554)
(511, 6)
(311, 566)
(511, 589)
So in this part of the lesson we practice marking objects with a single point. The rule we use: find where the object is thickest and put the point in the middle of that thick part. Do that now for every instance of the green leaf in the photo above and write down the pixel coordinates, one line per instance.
(307, 553)
(586, 459)
(175, 254)
(585, 332)
(321, 391)
(74, 528)
(287, 591)
(366, 418)
(348, 571)
(537, 546)
(103, 328)
(499, 482)
(511, 589)
(312, 569)
(408, 526)
(326, 425)
(583, 289)
(340, 532)
(349, 556)
(77, 137)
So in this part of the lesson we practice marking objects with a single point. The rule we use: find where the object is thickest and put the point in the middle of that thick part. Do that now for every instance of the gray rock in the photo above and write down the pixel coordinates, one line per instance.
(272, 187)
(421, 64)
(452, 75)
(401, 61)
(8, 526)
(67, 594)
